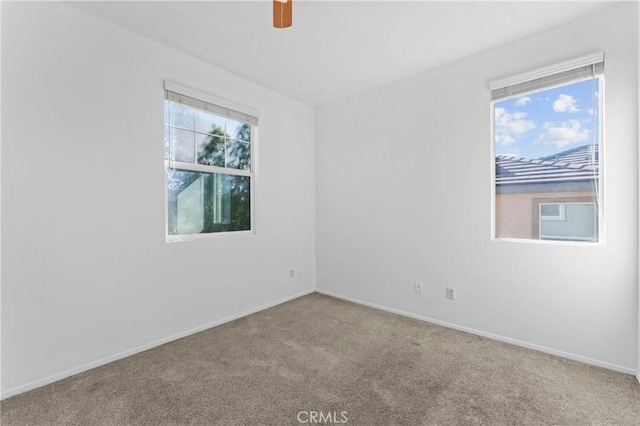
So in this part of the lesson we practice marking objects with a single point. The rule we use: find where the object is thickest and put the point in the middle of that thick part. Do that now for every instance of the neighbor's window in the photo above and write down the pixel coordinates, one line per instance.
(573, 221)
(209, 166)
(547, 151)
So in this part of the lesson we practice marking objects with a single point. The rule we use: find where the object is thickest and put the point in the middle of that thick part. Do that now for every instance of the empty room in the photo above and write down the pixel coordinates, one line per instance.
(291, 212)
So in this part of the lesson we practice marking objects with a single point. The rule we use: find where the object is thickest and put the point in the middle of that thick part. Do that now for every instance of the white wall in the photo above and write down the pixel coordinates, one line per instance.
(403, 194)
(0, 212)
(638, 124)
(86, 273)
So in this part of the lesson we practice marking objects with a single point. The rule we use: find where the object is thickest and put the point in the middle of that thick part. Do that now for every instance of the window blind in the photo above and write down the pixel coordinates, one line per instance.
(175, 93)
(576, 69)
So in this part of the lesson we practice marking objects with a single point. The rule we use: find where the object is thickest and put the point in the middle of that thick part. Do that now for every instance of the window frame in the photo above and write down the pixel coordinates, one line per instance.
(251, 173)
(539, 74)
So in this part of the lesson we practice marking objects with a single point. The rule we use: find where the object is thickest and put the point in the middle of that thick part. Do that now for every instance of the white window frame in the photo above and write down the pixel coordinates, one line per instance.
(539, 80)
(227, 109)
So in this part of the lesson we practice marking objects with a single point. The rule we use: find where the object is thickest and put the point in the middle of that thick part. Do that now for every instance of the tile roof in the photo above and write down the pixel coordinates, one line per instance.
(571, 166)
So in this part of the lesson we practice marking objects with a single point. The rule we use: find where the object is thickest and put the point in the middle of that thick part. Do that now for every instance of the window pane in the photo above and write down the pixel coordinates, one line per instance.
(207, 202)
(238, 130)
(182, 116)
(238, 155)
(207, 122)
(547, 148)
(550, 210)
(211, 150)
(182, 145)
(186, 202)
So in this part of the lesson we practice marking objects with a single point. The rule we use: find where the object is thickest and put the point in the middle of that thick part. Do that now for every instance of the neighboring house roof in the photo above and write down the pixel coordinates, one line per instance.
(576, 167)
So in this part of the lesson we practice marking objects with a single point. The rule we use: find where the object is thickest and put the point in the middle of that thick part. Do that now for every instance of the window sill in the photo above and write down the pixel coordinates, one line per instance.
(208, 236)
(550, 242)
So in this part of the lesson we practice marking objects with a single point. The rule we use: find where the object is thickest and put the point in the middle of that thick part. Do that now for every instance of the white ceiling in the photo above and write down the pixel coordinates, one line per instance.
(335, 48)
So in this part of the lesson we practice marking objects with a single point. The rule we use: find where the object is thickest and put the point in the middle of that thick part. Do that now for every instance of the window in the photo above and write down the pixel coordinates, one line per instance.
(574, 222)
(547, 153)
(209, 160)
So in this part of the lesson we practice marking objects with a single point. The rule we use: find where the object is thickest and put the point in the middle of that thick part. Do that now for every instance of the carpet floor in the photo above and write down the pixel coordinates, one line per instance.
(320, 360)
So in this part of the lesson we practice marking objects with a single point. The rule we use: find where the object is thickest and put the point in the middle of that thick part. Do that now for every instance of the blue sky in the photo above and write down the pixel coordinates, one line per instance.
(546, 122)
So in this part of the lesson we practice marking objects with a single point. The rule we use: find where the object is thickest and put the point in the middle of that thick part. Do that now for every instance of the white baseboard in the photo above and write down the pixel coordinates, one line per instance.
(562, 354)
(107, 360)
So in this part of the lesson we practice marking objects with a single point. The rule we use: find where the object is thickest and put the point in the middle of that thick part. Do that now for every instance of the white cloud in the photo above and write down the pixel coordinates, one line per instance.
(523, 101)
(567, 133)
(565, 103)
(505, 140)
(513, 122)
(510, 123)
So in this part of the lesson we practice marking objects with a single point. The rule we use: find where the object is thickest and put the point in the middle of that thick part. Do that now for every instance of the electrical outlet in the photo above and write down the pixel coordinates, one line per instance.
(451, 293)
(418, 287)
(290, 273)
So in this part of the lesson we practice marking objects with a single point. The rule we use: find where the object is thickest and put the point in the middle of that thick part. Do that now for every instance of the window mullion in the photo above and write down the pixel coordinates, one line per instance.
(208, 169)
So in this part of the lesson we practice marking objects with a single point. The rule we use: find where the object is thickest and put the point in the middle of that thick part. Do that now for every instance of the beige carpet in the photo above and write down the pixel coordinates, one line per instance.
(344, 362)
